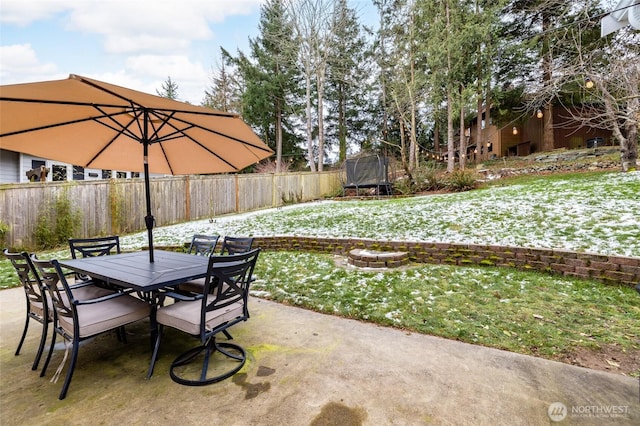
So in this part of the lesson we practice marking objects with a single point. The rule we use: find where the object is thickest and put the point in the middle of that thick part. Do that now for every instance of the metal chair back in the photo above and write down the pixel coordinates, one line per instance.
(203, 245)
(235, 245)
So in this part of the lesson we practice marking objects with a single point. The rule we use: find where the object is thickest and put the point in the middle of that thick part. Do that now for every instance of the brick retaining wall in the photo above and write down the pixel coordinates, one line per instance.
(604, 268)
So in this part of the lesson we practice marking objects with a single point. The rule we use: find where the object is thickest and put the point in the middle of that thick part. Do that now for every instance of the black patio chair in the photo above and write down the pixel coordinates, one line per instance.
(203, 245)
(76, 318)
(209, 313)
(235, 245)
(230, 245)
(91, 247)
(37, 308)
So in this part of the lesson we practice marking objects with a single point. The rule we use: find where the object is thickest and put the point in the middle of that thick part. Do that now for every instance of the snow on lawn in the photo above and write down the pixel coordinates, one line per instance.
(592, 213)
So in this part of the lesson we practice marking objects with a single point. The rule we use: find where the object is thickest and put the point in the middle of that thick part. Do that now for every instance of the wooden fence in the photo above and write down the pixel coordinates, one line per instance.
(117, 206)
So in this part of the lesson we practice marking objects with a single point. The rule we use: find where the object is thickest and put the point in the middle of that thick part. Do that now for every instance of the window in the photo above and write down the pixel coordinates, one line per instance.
(121, 175)
(106, 174)
(78, 173)
(59, 173)
(36, 164)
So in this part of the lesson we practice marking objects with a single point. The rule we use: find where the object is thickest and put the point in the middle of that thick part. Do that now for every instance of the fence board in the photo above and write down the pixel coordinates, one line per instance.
(117, 206)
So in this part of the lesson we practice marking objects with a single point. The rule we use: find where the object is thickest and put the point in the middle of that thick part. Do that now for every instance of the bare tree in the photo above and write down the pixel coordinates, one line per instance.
(312, 22)
(598, 86)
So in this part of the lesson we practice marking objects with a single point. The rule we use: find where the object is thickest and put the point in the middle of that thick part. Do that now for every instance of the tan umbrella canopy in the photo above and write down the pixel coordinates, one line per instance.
(99, 125)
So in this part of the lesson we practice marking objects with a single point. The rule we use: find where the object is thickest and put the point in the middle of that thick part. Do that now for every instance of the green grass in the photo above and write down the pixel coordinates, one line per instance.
(524, 312)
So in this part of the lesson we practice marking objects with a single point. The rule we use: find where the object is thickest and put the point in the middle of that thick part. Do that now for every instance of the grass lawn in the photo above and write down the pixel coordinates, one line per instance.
(526, 312)
(530, 313)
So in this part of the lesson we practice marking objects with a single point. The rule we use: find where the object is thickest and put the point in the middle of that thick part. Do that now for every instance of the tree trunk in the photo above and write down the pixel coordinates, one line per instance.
(463, 137)
(278, 136)
(320, 90)
(342, 126)
(436, 139)
(629, 149)
(312, 161)
(451, 160)
(480, 154)
(548, 141)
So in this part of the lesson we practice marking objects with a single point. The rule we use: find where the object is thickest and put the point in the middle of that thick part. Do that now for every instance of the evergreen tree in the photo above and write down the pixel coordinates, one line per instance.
(347, 81)
(225, 91)
(271, 81)
(169, 89)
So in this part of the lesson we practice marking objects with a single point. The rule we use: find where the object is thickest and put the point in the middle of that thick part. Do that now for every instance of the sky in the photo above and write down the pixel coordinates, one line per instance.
(136, 44)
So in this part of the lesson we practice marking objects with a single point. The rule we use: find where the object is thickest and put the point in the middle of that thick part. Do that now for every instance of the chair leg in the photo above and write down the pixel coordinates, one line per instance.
(72, 366)
(43, 340)
(121, 334)
(208, 348)
(24, 334)
(228, 336)
(46, 362)
(154, 355)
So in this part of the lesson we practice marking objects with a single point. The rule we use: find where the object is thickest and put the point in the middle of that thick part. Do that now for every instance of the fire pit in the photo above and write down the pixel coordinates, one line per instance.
(377, 259)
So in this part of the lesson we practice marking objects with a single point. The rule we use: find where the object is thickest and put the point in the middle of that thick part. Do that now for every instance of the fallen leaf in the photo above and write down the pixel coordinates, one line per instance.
(615, 364)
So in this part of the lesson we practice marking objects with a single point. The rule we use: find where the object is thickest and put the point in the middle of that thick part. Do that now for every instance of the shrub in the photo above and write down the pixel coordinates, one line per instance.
(56, 223)
(270, 167)
(462, 180)
(4, 228)
(428, 177)
(404, 186)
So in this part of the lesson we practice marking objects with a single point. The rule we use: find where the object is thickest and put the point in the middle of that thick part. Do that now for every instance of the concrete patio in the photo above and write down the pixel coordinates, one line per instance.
(306, 368)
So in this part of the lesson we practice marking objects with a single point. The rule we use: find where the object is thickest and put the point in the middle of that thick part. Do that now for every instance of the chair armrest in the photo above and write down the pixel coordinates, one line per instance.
(81, 284)
(99, 299)
(183, 296)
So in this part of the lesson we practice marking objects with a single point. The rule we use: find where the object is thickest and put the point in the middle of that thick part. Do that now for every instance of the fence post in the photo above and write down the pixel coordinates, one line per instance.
(237, 194)
(187, 198)
(273, 190)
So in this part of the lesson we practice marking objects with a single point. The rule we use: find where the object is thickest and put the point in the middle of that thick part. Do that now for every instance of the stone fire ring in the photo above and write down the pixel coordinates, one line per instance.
(377, 259)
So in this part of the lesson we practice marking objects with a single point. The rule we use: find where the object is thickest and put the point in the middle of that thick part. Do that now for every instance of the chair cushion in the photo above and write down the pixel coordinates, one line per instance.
(194, 286)
(90, 292)
(99, 317)
(37, 308)
(185, 316)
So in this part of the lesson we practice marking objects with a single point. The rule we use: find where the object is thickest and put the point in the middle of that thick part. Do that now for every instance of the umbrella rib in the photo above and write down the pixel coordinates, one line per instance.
(181, 132)
(117, 95)
(66, 123)
(121, 130)
(206, 129)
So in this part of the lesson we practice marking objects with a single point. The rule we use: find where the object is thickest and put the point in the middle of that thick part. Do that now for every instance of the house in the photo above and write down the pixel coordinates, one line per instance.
(16, 167)
(525, 136)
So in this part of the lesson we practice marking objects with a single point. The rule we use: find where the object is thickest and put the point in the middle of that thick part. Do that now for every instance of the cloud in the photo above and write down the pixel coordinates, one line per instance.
(191, 77)
(142, 41)
(160, 26)
(20, 60)
(21, 12)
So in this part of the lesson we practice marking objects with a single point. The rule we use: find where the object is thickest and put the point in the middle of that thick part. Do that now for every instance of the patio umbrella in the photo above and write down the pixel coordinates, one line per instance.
(99, 125)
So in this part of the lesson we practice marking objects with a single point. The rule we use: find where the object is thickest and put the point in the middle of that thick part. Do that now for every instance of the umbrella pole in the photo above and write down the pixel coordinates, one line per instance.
(149, 219)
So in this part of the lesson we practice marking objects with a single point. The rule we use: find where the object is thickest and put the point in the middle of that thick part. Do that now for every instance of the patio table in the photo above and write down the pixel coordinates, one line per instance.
(133, 270)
